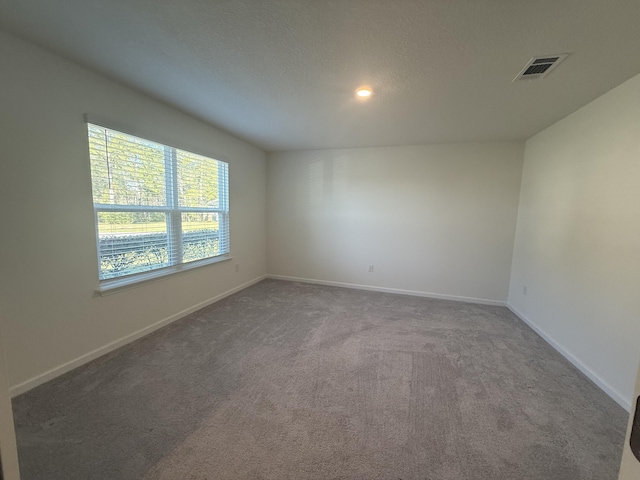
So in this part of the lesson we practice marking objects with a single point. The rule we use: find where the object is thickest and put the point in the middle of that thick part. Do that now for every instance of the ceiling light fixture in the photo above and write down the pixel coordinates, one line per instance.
(363, 92)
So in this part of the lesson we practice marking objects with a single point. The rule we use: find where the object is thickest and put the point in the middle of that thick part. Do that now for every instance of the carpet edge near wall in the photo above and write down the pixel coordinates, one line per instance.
(50, 374)
(618, 397)
(33, 382)
(398, 291)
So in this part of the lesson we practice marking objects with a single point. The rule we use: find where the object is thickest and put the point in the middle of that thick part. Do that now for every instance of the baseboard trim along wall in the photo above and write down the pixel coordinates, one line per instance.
(98, 352)
(604, 386)
(440, 296)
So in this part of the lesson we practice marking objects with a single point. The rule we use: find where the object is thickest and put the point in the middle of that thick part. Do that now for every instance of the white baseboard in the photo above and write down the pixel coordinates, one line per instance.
(98, 352)
(604, 386)
(483, 301)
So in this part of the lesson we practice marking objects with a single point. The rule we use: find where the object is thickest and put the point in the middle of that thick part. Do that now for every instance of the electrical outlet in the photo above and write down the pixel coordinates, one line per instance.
(524, 290)
(370, 268)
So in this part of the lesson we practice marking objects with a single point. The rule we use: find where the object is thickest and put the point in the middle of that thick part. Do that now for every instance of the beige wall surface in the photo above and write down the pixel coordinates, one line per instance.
(577, 248)
(51, 314)
(437, 219)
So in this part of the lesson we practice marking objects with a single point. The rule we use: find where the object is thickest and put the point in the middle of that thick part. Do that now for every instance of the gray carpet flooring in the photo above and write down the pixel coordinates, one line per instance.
(294, 381)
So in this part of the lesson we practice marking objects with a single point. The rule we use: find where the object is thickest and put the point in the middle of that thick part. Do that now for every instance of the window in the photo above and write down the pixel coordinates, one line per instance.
(157, 208)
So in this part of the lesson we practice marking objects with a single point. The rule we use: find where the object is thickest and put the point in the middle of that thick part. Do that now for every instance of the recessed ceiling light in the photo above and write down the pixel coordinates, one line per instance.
(363, 92)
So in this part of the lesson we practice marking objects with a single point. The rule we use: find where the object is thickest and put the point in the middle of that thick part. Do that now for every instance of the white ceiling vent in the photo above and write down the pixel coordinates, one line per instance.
(539, 67)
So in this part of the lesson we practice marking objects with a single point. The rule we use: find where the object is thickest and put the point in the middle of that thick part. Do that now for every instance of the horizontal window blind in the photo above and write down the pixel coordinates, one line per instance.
(155, 206)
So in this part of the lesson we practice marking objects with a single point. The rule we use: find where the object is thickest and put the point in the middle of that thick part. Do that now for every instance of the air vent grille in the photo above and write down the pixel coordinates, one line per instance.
(536, 69)
(539, 67)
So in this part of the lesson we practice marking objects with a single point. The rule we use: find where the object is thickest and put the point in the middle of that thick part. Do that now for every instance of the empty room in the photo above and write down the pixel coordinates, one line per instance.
(297, 239)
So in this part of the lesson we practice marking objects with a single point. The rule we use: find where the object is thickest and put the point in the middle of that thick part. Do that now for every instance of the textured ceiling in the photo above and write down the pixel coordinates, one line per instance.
(281, 74)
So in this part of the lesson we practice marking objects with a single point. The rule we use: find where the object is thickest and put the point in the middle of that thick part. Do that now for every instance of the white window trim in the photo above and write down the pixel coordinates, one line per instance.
(114, 285)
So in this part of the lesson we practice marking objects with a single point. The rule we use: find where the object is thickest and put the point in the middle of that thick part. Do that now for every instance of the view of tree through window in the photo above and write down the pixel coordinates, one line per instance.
(155, 205)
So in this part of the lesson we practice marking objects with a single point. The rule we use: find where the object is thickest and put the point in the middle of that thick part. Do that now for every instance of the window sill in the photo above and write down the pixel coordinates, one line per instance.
(114, 285)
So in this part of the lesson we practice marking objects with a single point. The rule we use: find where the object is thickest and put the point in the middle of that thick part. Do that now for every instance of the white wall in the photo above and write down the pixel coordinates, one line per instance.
(577, 246)
(437, 220)
(48, 257)
(629, 465)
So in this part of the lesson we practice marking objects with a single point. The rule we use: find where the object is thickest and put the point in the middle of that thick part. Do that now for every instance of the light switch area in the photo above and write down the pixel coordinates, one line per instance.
(370, 268)
(237, 267)
(524, 290)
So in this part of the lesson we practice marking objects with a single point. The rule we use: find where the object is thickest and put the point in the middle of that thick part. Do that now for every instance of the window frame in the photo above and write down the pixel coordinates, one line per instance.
(173, 212)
